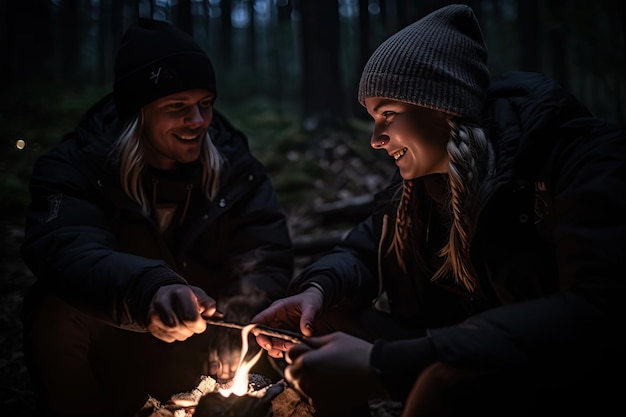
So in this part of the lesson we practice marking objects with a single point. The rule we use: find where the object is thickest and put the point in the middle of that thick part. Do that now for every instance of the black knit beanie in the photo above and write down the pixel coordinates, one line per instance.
(156, 59)
(439, 62)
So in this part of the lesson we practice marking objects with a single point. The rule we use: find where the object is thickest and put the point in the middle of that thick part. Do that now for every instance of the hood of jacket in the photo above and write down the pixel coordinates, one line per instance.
(524, 110)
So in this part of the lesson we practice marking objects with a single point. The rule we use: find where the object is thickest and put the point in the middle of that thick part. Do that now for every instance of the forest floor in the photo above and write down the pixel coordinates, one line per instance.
(16, 395)
(320, 210)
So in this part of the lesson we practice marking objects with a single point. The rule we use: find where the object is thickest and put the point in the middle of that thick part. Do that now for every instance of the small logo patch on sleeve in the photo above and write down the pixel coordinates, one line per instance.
(54, 202)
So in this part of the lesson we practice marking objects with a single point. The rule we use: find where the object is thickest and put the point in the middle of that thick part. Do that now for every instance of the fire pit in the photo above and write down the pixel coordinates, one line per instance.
(245, 395)
(263, 399)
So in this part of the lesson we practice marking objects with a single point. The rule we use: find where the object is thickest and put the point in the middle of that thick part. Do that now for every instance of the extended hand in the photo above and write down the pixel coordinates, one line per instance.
(297, 313)
(175, 312)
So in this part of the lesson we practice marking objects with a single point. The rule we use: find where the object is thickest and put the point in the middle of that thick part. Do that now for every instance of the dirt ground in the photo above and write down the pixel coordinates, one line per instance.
(16, 396)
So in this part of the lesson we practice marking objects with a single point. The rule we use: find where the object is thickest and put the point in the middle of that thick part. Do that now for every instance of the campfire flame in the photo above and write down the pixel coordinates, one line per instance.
(240, 383)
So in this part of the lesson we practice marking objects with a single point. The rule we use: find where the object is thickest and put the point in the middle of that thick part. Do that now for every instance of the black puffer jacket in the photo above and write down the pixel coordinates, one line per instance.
(89, 243)
(550, 250)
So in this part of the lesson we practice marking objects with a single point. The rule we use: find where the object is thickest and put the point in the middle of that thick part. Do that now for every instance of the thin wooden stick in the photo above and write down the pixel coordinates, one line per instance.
(287, 335)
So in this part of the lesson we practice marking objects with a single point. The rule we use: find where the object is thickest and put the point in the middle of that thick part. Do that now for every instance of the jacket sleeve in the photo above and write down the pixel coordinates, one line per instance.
(70, 246)
(347, 273)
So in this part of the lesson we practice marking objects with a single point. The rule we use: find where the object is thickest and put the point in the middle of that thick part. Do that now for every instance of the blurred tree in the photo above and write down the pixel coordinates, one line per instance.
(251, 54)
(109, 29)
(530, 27)
(226, 33)
(150, 8)
(184, 19)
(26, 41)
(307, 55)
(323, 98)
(365, 48)
(71, 41)
(556, 34)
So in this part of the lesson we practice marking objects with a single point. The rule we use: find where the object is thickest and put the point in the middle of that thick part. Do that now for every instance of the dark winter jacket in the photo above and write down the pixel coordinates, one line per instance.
(550, 249)
(89, 243)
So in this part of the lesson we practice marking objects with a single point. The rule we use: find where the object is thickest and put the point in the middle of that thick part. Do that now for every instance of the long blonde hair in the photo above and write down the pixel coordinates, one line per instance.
(128, 149)
(471, 160)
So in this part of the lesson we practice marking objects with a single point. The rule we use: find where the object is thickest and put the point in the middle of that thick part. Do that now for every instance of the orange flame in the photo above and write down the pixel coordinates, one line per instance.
(241, 378)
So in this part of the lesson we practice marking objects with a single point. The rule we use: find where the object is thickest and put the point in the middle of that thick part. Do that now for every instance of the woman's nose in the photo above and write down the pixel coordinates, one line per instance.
(378, 141)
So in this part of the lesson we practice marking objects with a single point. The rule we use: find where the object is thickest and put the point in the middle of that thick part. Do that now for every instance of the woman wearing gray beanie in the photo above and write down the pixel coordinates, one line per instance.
(490, 276)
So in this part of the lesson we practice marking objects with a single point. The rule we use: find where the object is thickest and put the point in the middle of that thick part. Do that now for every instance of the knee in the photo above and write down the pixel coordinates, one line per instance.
(449, 390)
(442, 390)
(427, 395)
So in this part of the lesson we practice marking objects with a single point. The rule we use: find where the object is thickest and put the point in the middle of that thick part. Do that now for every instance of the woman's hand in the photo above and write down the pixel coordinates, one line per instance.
(297, 313)
(333, 371)
(176, 312)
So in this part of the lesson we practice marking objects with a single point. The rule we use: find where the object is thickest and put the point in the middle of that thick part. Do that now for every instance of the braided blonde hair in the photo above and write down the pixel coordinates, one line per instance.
(471, 160)
(129, 151)
(403, 224)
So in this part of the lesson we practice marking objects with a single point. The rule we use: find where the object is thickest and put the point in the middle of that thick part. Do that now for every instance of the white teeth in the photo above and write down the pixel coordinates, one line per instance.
(398, 154)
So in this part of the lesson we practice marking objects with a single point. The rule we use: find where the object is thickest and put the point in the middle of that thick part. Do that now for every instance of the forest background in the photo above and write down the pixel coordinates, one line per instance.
(288, 73)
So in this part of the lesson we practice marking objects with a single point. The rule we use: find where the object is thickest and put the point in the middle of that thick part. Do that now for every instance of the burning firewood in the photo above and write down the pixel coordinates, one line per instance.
(255, 404)
(263, 399)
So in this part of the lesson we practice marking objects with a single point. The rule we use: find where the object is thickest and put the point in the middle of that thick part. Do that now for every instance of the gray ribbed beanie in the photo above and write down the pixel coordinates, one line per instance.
(439, 62)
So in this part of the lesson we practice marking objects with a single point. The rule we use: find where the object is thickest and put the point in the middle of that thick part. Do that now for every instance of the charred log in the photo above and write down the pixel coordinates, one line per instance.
(216, 405)
(264, 399)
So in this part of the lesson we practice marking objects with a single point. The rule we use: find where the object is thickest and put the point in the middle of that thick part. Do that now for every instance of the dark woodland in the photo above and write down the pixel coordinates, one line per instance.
(287, 73)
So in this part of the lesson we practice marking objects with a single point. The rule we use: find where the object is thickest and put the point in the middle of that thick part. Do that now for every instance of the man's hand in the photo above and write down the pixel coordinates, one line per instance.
(175, 312)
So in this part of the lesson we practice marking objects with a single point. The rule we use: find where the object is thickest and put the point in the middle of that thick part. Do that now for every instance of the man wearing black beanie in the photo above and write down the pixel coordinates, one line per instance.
(148, 216)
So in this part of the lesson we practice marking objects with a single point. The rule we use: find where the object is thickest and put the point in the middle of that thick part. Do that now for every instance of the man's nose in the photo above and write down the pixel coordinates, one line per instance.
(194, 115)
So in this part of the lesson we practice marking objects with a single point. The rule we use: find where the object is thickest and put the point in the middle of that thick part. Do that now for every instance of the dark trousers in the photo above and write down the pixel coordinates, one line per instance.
(445, 390)
(448, 390)
(81, 366)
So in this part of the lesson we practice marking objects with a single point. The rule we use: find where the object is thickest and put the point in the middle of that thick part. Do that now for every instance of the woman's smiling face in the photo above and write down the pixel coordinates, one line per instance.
(416, 137)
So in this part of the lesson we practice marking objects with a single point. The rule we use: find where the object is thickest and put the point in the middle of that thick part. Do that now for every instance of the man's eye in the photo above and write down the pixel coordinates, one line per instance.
(206, 104)
(388, 113)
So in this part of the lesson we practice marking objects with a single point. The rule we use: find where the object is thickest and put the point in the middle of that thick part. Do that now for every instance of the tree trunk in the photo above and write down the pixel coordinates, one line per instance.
(27, 42)
(322, 92)
(185, 20)
(71, 41)
(226, 34)
(530, 30)
(557, 43)
(365, 49)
